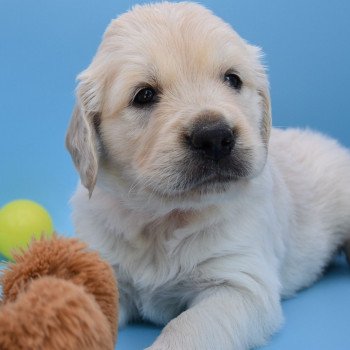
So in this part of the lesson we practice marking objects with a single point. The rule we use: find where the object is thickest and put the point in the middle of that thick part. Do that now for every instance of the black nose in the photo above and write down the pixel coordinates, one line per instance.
(214, 139)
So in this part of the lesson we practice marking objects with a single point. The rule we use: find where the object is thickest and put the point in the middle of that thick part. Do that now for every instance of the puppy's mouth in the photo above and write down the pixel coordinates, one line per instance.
(198, 172)
(213, 183)
(194, 174)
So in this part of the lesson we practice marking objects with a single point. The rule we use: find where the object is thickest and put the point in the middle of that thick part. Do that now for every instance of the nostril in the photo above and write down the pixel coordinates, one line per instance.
(227, 142)
(213, 140)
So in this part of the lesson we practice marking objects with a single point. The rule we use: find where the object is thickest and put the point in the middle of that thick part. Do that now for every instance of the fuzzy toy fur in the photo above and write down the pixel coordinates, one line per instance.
(58, 296)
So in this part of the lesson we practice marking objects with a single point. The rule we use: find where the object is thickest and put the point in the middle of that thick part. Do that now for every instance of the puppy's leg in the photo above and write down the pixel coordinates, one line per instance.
(347, 250)
(127, 309)
(223, 318)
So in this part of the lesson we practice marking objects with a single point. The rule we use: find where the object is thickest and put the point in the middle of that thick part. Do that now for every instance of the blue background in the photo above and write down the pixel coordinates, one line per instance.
(44, 44)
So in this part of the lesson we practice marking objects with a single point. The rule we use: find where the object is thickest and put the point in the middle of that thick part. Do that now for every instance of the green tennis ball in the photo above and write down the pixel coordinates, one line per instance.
(20, 222)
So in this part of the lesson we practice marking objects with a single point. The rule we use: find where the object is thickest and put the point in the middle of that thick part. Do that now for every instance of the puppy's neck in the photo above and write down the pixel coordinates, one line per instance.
(174, 225)
(137, 220)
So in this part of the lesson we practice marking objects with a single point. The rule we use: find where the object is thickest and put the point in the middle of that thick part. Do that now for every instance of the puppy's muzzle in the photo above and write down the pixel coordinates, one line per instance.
(212, 139)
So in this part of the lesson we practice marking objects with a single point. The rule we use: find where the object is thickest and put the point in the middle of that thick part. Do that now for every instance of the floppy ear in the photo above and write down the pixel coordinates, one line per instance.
(263, 91)
(81, 139)
(266, 121)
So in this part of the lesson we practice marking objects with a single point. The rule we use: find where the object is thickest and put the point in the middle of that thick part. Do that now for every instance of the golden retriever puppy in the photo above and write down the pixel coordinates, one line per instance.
(208, 215)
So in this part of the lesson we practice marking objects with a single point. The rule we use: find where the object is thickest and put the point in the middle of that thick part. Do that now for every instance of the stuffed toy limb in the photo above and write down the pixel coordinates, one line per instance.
(58, 296)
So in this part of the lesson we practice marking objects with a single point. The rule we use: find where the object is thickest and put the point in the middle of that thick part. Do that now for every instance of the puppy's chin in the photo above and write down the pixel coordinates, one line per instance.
(194, 190)
(197, 178)
(214, 184)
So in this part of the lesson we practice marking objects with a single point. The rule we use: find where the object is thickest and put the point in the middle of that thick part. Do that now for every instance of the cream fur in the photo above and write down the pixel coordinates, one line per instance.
(211, 261)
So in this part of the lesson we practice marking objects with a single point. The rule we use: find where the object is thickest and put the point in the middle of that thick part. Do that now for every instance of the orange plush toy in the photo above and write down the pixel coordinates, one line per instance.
(58, 296)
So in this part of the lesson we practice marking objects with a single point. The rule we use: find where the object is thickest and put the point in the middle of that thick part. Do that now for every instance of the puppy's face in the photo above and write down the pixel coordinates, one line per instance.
(174, 102)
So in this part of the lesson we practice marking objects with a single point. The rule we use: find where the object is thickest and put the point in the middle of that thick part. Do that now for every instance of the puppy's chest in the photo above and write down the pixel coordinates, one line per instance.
(160, 282)
(161, 269)
(166, 248)
(158, 257)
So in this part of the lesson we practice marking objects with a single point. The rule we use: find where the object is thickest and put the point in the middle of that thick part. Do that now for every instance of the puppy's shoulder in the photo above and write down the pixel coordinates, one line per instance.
(304, 143)
(307, 158)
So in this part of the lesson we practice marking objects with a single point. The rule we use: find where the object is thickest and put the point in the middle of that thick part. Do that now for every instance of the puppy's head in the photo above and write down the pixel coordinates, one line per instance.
(174, 102)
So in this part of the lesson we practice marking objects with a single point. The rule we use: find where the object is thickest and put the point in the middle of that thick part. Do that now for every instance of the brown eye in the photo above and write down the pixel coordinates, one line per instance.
(233, 80)
(144, 97)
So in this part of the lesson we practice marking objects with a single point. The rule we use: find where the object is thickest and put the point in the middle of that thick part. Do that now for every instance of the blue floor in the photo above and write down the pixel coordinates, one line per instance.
(43, 46)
